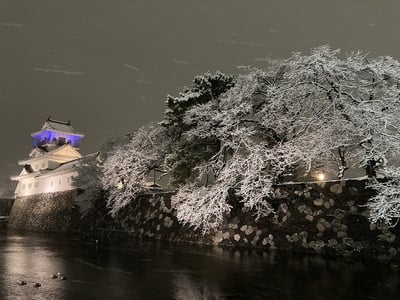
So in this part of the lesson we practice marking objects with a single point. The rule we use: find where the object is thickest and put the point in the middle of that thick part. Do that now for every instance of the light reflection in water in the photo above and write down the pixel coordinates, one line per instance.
(187, 288)
(18, 260)
(31, 262)
(161, 271)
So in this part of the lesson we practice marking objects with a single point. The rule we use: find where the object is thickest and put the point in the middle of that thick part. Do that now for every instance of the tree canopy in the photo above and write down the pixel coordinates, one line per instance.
(227, 137)
(184, 155)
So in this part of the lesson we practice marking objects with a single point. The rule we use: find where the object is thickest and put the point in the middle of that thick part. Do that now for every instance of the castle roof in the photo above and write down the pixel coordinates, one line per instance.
(64, 167)
(62, 153)
(58, 125)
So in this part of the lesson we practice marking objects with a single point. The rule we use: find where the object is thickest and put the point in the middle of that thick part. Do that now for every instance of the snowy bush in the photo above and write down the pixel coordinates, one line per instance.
(385, 206)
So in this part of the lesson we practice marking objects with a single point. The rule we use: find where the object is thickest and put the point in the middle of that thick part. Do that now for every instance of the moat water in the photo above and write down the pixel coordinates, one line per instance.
(147, 270)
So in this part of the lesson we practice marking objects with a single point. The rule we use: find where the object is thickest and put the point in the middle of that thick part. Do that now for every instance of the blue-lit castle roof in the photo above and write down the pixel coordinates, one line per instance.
(56, 133)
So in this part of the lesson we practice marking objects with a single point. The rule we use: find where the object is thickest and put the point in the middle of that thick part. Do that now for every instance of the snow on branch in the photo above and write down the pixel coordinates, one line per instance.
(385, 205)
(202, 208)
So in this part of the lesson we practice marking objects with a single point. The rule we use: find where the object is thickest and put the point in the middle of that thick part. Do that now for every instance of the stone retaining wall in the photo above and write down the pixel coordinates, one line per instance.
(45, 212)
(328, 218)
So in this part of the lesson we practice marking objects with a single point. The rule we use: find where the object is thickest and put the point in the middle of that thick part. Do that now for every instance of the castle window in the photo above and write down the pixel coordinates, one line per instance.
(51, 183)
(59, 181)
(30, 185)
(61, 141)
(36, 184)
(23, 186)
(43, 165)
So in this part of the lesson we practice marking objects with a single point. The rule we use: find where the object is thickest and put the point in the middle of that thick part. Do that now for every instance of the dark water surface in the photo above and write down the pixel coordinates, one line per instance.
(161, 271)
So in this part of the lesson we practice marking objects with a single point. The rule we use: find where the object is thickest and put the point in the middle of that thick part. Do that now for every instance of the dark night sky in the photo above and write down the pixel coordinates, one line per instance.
(107, 65)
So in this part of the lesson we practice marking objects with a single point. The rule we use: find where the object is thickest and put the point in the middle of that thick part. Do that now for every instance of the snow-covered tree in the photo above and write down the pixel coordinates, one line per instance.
(225, 139)
(306, 110)
(126, 170)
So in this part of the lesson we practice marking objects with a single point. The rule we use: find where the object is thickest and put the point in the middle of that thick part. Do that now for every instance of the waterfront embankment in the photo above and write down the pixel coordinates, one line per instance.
(328, 218)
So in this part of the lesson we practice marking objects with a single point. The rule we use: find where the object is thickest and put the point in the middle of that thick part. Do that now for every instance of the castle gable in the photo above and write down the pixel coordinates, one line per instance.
(37, 152)
(66, 150)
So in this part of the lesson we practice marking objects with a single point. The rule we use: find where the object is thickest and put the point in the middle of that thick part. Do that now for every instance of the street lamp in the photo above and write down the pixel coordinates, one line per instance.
(320, 176)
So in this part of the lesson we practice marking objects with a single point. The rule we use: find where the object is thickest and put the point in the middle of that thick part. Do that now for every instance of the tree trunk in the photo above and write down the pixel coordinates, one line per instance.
(370, 170)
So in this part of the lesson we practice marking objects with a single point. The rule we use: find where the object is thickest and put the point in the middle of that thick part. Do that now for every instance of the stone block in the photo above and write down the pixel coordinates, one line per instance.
(336, 188)
(348, 241)
(243, 228)
(302, 208)
(303, 235)
(309, 218)
(218, 237)
(392, 251)
(226, 235)
(249, 230)
(308, 211)
(320, 227)
(332, 242)
(318, 202)
(284, 207)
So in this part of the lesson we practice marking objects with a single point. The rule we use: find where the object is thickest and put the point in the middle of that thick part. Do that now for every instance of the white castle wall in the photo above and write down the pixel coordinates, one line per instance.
(51, 184)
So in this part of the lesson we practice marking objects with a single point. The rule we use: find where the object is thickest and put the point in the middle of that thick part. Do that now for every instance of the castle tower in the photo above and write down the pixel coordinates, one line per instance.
(56, 133)
(50, 165)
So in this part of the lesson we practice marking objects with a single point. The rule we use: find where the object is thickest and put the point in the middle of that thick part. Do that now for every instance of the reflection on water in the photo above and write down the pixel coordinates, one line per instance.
(186, 288)
(161, 271)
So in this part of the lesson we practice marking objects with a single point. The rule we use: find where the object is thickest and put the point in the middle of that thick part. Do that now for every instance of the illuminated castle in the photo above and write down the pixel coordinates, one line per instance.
(50, 166)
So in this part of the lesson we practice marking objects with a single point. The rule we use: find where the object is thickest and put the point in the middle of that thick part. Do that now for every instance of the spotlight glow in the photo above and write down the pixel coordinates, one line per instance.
(321, 176)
